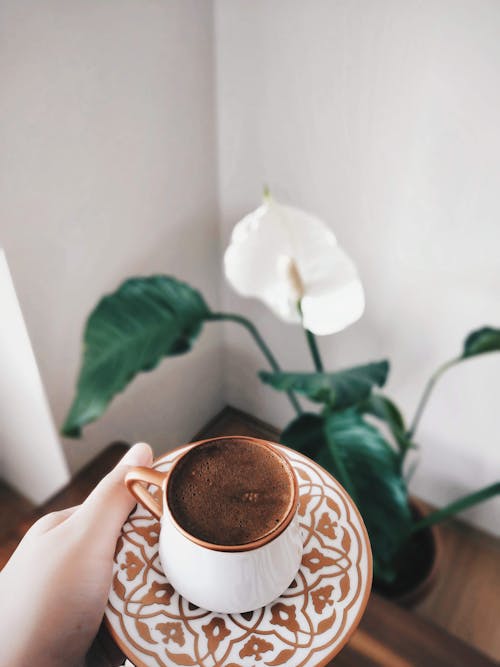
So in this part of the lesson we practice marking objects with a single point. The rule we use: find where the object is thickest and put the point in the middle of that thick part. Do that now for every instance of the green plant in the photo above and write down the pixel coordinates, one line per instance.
(147, 319)
(150, 318)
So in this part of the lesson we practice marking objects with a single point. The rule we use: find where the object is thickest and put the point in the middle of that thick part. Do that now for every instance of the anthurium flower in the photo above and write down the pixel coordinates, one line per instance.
(286, 257)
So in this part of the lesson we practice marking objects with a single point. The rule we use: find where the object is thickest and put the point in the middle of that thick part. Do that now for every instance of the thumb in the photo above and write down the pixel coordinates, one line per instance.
(109, 504)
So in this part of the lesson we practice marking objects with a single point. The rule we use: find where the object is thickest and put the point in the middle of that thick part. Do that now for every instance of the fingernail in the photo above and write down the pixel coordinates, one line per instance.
(139, 454)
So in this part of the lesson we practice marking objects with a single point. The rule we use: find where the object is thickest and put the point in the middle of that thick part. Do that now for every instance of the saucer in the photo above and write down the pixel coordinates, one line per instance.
(305, 627)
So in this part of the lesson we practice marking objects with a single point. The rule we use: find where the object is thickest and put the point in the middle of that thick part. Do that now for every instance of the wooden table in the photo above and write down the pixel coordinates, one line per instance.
(388, 636)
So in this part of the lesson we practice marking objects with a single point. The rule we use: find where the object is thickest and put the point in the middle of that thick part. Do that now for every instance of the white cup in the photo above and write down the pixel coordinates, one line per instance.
(223, 578)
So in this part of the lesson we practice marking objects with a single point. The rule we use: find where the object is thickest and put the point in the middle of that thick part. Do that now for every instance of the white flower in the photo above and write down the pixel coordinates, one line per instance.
(284, 256)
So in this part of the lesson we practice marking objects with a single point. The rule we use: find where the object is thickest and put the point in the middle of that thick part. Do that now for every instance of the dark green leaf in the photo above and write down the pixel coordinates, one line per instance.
(384, 409)
(459, 505)
(130, 331)
(340, 390)
(380, 490)
(373, 469)
(481, 341)
(305, 434)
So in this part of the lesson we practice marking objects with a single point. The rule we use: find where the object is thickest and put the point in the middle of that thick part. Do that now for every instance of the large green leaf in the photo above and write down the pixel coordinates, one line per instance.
(130, 331)
(481, 341)
(382, 407)
(340, 389)
(373, 471)
(387, 411)
(305, 434)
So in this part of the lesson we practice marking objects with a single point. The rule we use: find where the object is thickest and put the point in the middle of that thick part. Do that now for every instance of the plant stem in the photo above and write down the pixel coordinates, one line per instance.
(261, 343)
(458, 506)
(311, 342)
(313, 346)
(427, 392)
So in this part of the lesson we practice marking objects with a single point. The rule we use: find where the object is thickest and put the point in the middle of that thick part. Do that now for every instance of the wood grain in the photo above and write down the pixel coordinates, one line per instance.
(466, 600)
(393, 637)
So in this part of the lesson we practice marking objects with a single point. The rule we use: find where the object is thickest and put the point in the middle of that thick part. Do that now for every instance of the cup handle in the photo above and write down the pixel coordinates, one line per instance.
(133, 480)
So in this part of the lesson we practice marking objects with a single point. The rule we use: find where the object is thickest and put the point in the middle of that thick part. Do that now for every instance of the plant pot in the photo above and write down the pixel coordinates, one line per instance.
(420, 562)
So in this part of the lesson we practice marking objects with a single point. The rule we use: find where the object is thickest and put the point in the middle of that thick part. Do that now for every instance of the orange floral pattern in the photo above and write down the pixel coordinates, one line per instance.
(133, 565)
(284, 615)
(321, 597)
(255, 647)
(172, 631)
(326, 526)
(306, 626)
(215, 632)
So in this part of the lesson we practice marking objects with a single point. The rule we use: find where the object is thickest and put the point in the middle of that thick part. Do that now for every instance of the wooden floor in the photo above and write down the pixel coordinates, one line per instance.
(13, 508)
(466, 600)
(464, 606)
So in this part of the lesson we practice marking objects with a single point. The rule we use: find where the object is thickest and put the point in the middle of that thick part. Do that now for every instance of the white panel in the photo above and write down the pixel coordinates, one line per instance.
(30, 454)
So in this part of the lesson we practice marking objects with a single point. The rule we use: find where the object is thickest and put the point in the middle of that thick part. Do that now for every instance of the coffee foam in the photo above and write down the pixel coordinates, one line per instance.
(230, 492)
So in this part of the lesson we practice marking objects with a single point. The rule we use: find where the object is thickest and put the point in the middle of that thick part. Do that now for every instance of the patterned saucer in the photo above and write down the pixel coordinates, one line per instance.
(306, 627)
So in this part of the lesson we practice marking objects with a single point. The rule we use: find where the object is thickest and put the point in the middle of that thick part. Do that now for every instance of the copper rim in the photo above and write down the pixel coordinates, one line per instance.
(369, 575)
(249, 546)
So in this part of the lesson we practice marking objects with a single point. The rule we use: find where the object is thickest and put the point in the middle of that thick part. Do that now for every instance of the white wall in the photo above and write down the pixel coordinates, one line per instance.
(382, 118)
(107, 155)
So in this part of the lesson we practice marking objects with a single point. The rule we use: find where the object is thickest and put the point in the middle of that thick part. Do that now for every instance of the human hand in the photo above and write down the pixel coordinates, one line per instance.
(54, 589)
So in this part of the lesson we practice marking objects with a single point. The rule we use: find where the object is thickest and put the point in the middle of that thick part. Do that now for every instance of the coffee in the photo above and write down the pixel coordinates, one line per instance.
(230, 492)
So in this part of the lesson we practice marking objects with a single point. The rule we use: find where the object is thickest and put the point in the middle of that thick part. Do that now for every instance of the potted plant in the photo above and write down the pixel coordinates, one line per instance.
(357, 433)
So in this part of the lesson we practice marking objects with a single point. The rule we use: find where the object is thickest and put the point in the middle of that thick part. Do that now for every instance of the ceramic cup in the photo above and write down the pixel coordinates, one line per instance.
(223, 578)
